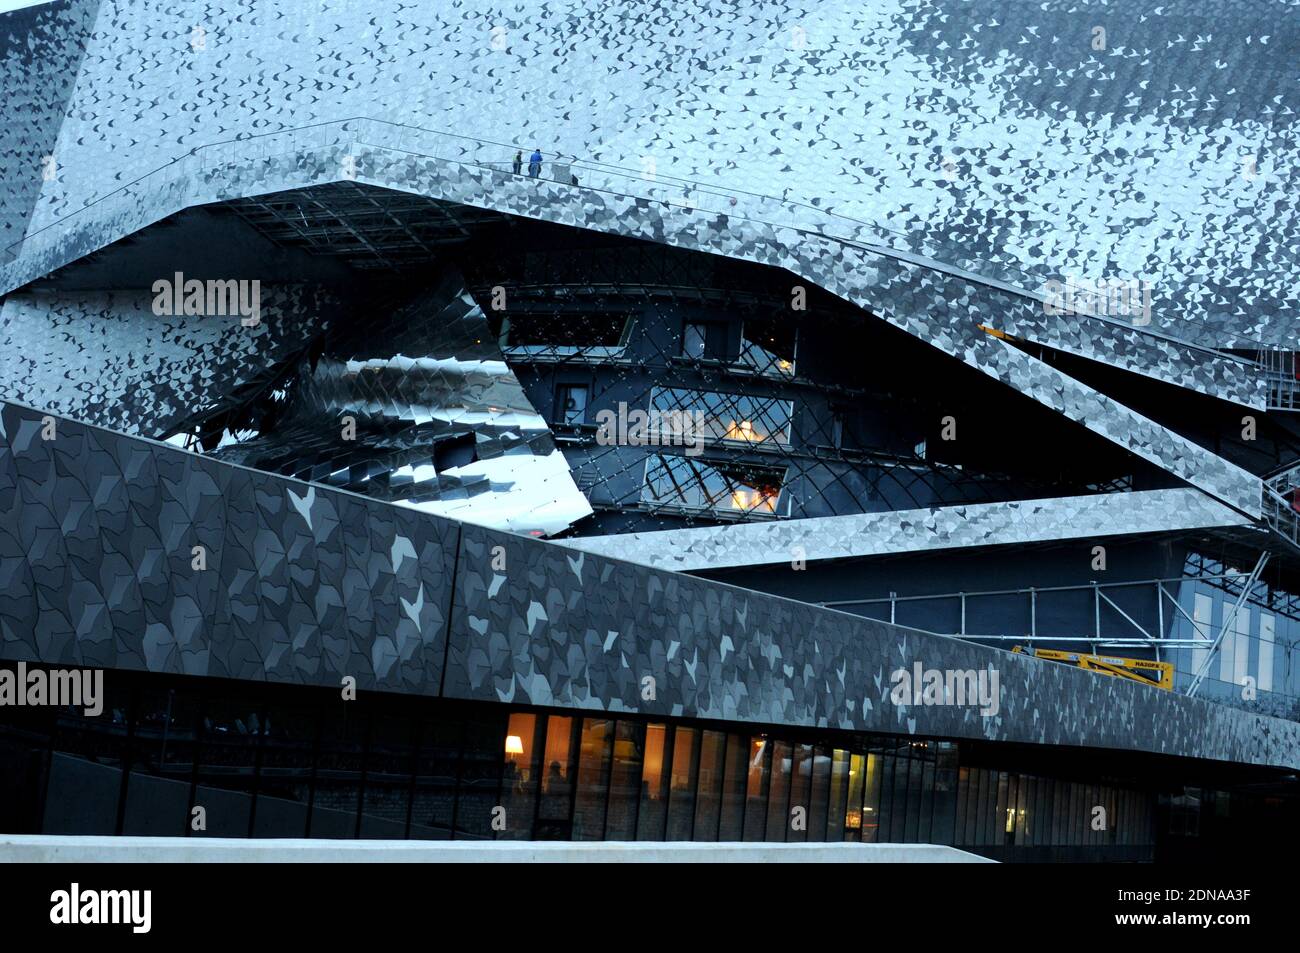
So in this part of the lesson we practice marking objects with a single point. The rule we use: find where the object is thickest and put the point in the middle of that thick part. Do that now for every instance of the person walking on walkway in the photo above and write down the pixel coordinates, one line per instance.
(519, 162)
(535, 163)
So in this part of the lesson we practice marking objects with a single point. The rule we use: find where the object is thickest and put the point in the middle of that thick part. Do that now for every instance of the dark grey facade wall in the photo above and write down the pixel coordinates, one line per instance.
(303, 584)
(575, 630)
(308, 585)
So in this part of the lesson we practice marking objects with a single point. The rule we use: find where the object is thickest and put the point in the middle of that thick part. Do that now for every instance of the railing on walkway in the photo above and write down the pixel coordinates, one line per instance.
(1112, 627)
(646, 183)
(1282, 371)
(1281, 497)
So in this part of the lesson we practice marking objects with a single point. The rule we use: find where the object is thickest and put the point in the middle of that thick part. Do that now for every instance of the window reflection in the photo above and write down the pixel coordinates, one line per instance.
(743, 418)
(380, 769)
(554, 820)
(688, 483)
(651, 823)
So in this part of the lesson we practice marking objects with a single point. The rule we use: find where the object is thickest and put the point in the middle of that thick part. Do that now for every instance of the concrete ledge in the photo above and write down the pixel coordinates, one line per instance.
(44, 848)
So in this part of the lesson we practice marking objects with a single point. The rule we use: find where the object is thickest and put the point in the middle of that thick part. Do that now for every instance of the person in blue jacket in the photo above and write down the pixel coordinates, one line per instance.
(535, 163)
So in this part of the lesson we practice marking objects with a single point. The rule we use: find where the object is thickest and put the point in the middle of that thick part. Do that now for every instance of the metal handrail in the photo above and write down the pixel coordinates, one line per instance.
(691, 187)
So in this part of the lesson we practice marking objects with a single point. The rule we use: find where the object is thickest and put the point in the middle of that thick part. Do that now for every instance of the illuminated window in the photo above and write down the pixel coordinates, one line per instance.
(767, 345)
(688, 483)
(736, 417)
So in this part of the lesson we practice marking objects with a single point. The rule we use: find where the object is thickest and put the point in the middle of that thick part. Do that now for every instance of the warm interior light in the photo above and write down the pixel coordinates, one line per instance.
(514, 744)
(744, 430)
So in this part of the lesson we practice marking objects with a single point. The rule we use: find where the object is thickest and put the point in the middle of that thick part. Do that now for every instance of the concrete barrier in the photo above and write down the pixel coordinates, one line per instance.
(44, 848)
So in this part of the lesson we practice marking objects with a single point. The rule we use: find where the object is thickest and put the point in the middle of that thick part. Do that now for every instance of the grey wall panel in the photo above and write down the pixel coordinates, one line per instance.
(303, 584)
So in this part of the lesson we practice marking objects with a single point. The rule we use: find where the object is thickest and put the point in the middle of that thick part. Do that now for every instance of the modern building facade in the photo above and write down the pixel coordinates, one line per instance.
(695, 482)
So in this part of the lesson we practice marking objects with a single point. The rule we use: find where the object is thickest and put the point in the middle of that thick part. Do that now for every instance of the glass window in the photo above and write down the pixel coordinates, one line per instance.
(288, 770)
(593, 778)
(479, 778)
(681, 793)
(760, 768)
(1005, 811)
(1264, 666)
(778, 799)
(839, 794)
(821, 791)
(1022, 810)
(690, 483)
(652, 819)
(1202, 616)
(433, 803)
(158, 789)
(625, 781)
(555, 807)
(943, 830)
(732, 824)
(899, 805)
(1059, 808)
(923, 775)
(704, 340)
(708, 802)
(387, 790)
(227, 771)
(853, 805)
(565, 331)
(767, 345)
(988, 808)
(741, 418)
(1073, 814)
(962, 833)
(520, 774)
(871, 800)
(920, 797)
(800, 788)
(571, 404)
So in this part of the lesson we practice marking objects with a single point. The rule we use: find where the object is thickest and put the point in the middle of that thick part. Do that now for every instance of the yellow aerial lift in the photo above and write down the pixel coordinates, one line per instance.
(1159, 674)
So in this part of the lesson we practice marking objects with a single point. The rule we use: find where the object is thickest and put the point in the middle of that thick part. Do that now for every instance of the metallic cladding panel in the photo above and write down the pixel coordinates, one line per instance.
(40, 51)
(1013, 140)
(922, 530)
(104, 357)
(303, 584)
(423, 374)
